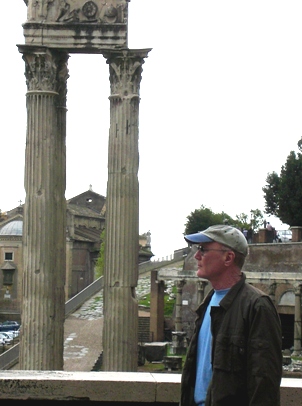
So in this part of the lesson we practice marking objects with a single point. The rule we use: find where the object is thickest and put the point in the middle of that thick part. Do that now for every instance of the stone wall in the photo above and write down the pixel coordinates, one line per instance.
(275, 257)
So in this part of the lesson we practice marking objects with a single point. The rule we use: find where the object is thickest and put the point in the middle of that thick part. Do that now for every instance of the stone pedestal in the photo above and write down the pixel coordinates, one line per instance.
(263, 235)
(155, 351)
(179, 343)
(173, 363)
(296, 234)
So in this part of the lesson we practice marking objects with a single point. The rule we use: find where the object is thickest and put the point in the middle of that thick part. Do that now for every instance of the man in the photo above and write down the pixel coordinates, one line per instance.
(235, 353)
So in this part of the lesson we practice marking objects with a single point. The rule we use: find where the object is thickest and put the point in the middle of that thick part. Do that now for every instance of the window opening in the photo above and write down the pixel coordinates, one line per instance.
(8, 256)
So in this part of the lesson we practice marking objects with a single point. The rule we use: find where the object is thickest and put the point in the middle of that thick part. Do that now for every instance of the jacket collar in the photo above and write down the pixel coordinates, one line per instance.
(229, 297)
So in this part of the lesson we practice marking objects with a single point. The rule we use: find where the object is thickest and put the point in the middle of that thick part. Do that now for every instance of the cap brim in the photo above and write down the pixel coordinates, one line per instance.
(197, 238)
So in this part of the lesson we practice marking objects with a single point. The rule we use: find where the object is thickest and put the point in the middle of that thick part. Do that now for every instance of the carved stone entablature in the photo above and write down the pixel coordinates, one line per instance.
(77, 25)
(67, 11)
(125, 69)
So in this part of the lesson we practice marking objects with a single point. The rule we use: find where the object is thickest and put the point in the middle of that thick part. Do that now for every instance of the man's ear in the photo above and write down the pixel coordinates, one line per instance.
(230, 257)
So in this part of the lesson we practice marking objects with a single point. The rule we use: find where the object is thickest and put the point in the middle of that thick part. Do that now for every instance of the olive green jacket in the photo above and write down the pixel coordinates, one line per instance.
(246, 350)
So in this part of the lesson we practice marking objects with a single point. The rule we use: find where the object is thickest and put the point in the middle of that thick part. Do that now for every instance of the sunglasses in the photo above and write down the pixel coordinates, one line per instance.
(203, 250)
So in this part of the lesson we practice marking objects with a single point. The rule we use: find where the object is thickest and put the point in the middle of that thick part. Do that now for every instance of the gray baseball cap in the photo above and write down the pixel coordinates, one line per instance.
(223, 234)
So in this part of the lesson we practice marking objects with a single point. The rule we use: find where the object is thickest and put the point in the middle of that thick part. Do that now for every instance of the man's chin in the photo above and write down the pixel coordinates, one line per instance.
(200, 274)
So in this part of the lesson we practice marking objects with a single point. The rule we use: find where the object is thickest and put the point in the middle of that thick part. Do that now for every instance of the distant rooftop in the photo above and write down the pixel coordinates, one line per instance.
(13, 228)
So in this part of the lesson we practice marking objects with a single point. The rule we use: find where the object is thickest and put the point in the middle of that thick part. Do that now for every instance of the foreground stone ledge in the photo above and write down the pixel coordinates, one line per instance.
(291, 391)
(114, 387)
(90, 386)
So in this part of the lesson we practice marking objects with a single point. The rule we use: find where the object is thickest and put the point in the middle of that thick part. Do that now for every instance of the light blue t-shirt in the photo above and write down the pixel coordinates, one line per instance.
(204, 346)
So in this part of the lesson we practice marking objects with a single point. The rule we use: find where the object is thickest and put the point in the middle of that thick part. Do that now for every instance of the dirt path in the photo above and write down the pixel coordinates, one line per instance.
(82, 343)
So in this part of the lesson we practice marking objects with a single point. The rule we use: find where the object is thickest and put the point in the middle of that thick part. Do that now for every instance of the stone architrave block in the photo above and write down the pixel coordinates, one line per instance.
(77, 25)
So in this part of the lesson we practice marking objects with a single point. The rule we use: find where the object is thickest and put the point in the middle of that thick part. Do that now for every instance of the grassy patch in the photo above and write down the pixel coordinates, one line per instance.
(145, 301)
(169, 302)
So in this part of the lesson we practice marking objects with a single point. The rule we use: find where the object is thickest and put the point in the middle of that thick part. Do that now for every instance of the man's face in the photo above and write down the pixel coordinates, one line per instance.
(211, 260)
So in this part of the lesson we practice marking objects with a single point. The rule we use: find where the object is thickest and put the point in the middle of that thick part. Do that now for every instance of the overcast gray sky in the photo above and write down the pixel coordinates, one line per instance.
(221, 107)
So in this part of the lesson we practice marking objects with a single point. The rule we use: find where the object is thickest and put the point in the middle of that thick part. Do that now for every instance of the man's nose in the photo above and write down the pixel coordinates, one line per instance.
(197, 255)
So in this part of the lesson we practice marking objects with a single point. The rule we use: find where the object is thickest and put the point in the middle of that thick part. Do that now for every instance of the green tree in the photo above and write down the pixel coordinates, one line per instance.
(283, 193)
(202, 218)
(100, 263)
(256, 219)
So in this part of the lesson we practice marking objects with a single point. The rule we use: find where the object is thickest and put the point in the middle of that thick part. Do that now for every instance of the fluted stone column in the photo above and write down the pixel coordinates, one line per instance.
(297, 323)
(272, 291)
(201, 285)
(44, 245)
(120, 334)
(178, 305)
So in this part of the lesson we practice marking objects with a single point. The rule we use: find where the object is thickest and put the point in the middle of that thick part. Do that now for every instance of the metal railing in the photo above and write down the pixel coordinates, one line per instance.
(80, 298)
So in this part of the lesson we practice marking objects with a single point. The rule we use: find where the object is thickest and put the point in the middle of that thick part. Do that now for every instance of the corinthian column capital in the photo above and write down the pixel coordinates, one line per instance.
(45, 70)
(125, 67)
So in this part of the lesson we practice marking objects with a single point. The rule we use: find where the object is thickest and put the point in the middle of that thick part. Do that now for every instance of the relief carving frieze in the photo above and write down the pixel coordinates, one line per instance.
(77, 11)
